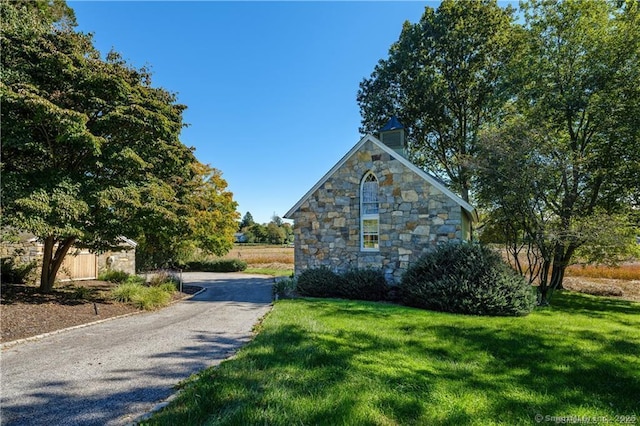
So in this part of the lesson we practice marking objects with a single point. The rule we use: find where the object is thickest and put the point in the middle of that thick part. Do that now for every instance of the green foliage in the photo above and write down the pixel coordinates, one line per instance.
(91, 150)
(284, 287)
(219, 265)
(319, 282)
(468, 279)
(125, 292)
(152, 298)
(81, 293)
(170, 286)
(15, 273)
(364, 284)
(274, 232)
(356, 284)
(164, 277)
(142, 296)
(247, 221)
(560, 168)
(442, 79)
(337, 362)
(114, 276)
(135, 279)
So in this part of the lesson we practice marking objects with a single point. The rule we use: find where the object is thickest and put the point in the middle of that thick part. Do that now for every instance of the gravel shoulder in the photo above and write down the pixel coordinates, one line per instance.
(113, 372)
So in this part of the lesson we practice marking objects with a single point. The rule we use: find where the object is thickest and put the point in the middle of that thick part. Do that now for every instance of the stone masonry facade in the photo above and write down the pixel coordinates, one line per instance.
(414, 217)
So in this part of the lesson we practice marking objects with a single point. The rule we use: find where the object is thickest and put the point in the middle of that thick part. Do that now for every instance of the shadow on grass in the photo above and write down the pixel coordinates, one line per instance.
(423, 367)
(594, 306)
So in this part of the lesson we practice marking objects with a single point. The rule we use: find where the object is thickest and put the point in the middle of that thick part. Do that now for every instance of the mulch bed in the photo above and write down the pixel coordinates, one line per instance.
(25, 313)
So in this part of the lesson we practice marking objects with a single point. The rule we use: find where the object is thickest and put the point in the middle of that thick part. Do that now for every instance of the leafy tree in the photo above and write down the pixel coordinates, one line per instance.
(275, 234)
(247, 221)
(211, 212)
(259, 233)
(442, 79)
(277, 220)
(90, 150)
(288, 231)
(564, 176)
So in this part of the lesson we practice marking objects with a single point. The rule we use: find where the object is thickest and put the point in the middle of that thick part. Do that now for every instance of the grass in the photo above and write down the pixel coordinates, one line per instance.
(134, 292)
(340, 362)
(270, 271)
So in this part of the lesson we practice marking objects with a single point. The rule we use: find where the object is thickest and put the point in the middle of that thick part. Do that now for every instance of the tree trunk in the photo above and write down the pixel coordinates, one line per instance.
(52, 261)
(561, 258)
(544, 290)
(557, 276)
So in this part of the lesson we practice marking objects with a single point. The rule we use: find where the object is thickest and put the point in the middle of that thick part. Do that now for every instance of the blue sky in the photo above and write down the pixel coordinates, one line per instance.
(270, 86)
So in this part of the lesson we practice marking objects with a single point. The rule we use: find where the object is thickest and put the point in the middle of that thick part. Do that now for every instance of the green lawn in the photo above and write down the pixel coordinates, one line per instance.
(339, 362)
(269, 271)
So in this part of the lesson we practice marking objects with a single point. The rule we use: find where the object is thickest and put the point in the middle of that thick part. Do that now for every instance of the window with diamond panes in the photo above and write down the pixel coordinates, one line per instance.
(369, 218)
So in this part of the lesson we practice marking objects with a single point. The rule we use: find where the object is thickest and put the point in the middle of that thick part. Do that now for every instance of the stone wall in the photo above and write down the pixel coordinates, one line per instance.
(23, 251)
(122, 260)
(414, 217)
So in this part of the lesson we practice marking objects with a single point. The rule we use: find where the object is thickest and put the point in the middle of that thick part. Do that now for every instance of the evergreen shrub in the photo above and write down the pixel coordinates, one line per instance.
(284, 287)
(363, 284)
(319, 282)
(466, 278)
(219, 265)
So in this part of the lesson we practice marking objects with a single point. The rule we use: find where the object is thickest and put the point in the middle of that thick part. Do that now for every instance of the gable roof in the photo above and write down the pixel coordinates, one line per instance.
(424, 175)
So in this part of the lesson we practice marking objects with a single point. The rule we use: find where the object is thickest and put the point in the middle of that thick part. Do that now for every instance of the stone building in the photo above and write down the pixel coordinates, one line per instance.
(375, 209)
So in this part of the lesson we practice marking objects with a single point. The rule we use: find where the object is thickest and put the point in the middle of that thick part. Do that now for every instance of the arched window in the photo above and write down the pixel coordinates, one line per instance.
(369, 217)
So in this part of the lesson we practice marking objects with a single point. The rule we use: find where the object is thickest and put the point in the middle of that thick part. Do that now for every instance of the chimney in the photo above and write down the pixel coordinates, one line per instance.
(393, 135)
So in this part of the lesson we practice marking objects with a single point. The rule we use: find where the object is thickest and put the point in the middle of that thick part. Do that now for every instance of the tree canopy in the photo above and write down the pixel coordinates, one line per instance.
(536, 120)
(91, 150)
(442, 79)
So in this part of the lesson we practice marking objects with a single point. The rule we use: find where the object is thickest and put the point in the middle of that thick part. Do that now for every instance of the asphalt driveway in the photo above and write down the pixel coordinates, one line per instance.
(113, 372)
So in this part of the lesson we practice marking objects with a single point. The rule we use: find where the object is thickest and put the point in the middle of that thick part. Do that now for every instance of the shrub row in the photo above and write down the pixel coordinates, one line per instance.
(459, 278)
(357, 284)
(220, 265)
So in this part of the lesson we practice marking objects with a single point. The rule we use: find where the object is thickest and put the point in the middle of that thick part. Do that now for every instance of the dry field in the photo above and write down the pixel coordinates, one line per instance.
(627, 271)
(622, 281)
(263, 256)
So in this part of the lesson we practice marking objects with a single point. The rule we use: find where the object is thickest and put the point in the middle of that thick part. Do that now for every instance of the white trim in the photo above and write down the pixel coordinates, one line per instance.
(369, 216)
(426, 176)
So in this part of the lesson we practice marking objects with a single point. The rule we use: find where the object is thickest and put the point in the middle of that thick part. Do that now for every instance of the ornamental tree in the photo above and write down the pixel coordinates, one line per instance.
(90, 149)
